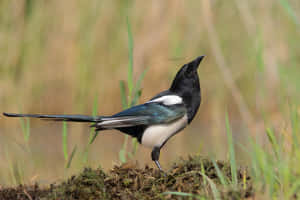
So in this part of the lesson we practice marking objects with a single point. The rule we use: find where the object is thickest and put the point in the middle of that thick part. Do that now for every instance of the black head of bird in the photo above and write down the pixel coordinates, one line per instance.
(154, 122)
(186, 84)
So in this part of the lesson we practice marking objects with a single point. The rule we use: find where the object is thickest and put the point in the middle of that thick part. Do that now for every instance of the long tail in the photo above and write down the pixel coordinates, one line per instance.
(99, 122)
(73, 118)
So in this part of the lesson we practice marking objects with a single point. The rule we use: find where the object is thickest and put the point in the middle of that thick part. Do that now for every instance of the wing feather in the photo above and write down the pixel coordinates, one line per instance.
(145, 114)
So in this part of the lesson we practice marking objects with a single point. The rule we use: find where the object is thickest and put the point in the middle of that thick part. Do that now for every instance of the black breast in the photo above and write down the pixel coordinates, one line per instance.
(135, 131)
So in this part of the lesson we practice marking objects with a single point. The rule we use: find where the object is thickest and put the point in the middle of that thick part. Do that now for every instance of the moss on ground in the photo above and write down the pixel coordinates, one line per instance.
(128, 182)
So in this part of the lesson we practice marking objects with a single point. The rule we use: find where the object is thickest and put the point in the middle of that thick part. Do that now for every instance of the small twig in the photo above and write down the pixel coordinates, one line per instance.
(28, 195)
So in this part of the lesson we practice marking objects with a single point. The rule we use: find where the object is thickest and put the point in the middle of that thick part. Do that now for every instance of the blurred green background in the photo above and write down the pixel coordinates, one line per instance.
(66, 57)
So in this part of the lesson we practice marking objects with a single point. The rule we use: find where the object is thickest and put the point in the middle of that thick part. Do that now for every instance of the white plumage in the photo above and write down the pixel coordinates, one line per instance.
(156, 135)
(168, 100)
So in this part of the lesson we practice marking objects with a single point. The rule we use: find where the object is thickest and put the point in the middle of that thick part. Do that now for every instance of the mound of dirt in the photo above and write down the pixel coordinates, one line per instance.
(130, 182)
(24, 192)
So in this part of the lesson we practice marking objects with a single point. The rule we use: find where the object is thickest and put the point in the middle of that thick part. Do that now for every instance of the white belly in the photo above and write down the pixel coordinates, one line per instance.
(156, 135)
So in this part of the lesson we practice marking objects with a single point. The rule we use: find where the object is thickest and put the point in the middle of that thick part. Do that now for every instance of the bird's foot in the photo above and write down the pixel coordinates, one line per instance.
(160, 169)
(158, 165)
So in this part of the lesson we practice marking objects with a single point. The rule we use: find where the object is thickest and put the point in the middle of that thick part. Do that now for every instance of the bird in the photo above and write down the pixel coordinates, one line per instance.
(154, 122)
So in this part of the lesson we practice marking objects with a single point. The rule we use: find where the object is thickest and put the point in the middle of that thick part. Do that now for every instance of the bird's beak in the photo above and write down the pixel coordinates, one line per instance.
(193, 65)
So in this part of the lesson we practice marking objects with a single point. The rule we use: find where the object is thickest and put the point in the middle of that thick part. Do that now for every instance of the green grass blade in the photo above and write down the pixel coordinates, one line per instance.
(263, 168)
(134, 147)
(219, 173)
(285, 4)
(137, 88)
(95, 106)
(27, 132)
(94, 137)
(25, 126)
(141, 78)
(137, 95)
(71, 157)
(203, 172)
(17, 173)
(295, 127)
(122, 155)
(94, 134)
(9, 162)
(130, 54)
(127, 100)
(123, 95)
(183, 194)
(231, 152)
(65, 140)
(244, 179)
(213, 187)
(273, 141)
(131, 97)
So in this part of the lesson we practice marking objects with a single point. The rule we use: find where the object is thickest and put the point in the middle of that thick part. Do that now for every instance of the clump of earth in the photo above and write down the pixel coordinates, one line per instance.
(196, 176)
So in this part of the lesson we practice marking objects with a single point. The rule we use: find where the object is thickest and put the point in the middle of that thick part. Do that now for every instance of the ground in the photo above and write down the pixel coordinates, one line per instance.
(128, 181)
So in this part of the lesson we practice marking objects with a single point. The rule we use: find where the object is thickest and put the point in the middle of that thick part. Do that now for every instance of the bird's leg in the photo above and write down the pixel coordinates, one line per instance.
(155, 157)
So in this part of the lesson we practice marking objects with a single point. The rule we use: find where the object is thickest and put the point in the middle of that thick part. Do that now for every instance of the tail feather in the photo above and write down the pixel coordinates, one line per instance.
(120, 122)
(73, 118)
(99, 122)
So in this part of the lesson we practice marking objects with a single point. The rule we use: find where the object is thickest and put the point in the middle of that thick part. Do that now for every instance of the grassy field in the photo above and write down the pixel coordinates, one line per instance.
(96, 57)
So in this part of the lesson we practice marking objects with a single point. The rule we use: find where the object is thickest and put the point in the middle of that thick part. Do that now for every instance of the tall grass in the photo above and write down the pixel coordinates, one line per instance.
(68, 157)
(25, 125)
(130, 94)
(93, 134)
(16, 170)
(276, 170)
(231, 152)
(273, 169)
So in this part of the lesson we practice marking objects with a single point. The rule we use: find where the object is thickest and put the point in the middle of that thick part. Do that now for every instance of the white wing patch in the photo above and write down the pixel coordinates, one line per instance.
(118, 122)
(156, 135)
(168, 100)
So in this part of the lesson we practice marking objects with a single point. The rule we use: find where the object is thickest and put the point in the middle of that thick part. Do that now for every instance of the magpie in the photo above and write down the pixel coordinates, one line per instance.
(154, 122)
